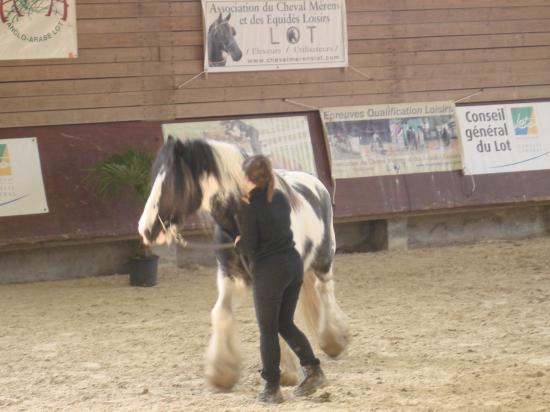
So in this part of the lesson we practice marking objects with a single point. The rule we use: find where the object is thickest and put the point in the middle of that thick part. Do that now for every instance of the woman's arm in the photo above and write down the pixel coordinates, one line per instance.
(247, 243)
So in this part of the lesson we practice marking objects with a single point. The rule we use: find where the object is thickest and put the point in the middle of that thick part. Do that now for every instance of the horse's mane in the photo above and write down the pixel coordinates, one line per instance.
(190, 159)
(195, 154)
(229, 158)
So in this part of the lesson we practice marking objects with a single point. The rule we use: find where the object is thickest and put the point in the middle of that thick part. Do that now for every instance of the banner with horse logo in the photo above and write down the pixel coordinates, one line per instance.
(250, 35)
(392, 139)
(21, 186)
(286, 139)
(505, 137)
(37, 29)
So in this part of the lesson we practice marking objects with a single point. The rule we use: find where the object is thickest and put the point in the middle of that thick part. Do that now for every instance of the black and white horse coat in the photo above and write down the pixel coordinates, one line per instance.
(206, 175)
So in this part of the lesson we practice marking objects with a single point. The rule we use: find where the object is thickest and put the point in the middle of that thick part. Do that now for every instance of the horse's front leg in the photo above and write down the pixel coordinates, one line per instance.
(290, 365)
(223, 361)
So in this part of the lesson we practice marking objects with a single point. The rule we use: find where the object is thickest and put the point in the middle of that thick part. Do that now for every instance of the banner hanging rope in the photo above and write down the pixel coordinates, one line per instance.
(185, 83)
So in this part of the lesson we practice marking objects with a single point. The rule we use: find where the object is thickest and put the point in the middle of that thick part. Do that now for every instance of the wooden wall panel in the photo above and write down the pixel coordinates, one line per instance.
(133, 54)
(76, 211)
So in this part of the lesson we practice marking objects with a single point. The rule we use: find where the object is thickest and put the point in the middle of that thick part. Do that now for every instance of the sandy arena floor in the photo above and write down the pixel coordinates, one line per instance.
(456, 328)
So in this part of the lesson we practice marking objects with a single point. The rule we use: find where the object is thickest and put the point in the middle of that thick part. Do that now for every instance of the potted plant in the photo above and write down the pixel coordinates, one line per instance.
(109, 177)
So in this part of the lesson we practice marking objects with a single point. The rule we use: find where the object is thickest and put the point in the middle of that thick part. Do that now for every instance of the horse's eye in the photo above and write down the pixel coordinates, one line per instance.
(234, 31)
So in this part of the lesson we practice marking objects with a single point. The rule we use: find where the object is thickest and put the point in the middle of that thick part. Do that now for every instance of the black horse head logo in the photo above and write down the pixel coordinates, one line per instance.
(221, 38)
(293, 35)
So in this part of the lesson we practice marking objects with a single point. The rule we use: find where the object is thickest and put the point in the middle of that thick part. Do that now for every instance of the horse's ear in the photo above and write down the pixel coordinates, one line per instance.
(228, 17)
(219, 18)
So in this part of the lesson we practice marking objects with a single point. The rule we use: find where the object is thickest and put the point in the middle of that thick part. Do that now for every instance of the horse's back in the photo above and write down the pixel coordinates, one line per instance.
(296, 179)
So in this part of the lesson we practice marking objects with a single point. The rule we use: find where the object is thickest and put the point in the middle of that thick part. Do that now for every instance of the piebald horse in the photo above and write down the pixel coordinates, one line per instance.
(194, 175)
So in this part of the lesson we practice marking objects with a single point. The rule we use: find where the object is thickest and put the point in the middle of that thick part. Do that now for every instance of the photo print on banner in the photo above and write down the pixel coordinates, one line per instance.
(392, 139)
(251, 35)
(286, 140)
(37, 29)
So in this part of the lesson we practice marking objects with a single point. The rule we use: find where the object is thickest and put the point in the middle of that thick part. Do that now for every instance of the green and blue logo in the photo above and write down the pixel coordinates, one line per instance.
(5, 166)
(525, 120)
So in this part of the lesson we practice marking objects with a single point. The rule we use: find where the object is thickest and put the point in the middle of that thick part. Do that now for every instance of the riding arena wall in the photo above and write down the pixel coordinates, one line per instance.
(134, 55)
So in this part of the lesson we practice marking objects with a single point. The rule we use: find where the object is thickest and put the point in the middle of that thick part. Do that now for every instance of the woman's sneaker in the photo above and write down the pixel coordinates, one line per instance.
(271, 393)
(313, 380)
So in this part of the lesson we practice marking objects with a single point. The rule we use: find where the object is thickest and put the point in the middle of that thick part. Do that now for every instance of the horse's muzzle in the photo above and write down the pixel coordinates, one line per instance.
(237, 56)
(147, 237)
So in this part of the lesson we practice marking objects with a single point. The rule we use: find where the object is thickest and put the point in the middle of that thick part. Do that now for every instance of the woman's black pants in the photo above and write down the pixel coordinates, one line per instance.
(276, 287)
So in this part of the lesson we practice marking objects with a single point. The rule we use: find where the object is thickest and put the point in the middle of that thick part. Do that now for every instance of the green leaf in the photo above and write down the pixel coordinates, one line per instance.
(128, 169)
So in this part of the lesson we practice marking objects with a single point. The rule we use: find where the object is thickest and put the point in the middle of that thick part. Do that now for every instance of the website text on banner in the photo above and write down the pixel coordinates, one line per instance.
(21, 185)
(286, 140)
(38, 29)
(505, 137)
(392, 139)
(250, 35)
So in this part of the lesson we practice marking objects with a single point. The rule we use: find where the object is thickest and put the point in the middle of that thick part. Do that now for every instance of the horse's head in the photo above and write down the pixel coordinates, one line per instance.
(221, 37)
(185, 176)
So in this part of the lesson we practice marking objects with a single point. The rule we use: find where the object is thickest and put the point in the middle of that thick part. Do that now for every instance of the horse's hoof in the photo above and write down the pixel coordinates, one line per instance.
(222, 383)
(222, 379)
(334, 345)
(288, 379)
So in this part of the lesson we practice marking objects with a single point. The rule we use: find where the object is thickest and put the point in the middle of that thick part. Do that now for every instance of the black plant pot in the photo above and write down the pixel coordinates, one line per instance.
(143, 270)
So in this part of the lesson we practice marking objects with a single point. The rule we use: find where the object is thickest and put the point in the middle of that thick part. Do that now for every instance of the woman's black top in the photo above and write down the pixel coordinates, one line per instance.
(265, 226)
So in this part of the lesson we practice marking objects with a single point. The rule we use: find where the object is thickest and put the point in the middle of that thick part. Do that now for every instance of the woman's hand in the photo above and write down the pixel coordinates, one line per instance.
(237, 239)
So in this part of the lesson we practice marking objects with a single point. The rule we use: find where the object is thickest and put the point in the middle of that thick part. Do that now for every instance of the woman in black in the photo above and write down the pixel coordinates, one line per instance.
(277, 269)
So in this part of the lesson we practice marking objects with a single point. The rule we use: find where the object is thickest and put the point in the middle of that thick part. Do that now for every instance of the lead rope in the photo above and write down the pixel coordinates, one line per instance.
(180, 240)
(241, 257)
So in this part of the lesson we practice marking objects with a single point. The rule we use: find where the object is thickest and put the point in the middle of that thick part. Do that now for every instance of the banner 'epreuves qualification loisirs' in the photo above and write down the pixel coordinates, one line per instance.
(392, 139)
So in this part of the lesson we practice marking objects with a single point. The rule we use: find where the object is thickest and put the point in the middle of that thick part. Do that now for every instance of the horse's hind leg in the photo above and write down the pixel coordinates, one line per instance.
(321, 312)
(223, 363)
(333, 326)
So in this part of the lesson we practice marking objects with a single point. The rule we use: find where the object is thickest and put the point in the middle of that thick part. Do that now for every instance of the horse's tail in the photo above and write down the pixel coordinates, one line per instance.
(309, 304)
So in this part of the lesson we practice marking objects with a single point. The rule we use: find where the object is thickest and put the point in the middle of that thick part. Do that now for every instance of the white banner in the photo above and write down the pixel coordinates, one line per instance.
(21, 186)
(505, 137)
(286, 140)
(250, 35)
(37, 29)
(392, 139)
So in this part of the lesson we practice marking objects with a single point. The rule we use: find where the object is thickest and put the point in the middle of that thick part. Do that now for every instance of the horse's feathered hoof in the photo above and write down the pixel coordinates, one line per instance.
(222, 383)
(222, 377)
(289, 378)
(333, 344)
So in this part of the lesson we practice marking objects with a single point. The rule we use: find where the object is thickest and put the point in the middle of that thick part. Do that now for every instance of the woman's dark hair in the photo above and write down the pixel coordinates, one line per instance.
(259, 171)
